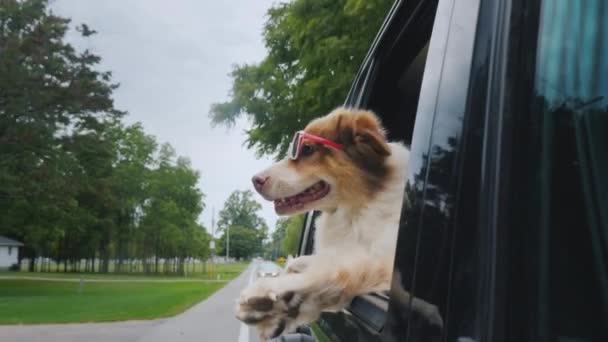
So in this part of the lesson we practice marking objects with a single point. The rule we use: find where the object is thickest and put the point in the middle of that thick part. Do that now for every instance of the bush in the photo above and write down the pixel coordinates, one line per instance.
(14, 268)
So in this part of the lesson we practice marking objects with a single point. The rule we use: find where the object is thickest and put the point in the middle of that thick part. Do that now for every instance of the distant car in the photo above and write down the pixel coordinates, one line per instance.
(268, 269)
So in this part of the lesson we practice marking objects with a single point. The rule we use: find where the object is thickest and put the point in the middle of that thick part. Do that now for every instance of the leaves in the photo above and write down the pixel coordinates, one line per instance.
(240, 209)
(315, 48)
(75, 182)
(246, 228)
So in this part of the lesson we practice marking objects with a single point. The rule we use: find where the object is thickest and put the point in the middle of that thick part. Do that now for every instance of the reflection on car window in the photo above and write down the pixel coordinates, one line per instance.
(425, 241)
(567, 130)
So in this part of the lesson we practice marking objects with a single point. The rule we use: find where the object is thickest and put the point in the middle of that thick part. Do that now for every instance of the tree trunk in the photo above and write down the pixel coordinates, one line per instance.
(120, 255)
(32, 265)
(181, 269)
(104, 255)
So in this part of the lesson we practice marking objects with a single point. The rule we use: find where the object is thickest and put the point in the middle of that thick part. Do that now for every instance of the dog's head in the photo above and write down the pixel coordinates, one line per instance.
(324, 177)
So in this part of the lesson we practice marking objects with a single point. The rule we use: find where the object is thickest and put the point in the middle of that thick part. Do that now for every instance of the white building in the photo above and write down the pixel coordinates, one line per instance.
(9, 252)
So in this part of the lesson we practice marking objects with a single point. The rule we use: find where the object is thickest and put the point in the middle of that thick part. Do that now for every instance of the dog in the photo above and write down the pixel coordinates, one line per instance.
(343, 166)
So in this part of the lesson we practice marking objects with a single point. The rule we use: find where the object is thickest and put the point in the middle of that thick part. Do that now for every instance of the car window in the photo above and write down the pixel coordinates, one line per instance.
(564, 172)
(390, 85)
(424, 253)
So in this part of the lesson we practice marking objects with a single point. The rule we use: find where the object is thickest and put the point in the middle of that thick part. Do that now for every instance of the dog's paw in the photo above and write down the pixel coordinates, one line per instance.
(272, 313)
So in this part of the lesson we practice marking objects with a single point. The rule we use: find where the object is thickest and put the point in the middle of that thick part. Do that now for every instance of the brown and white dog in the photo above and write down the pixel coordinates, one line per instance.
(359, 190)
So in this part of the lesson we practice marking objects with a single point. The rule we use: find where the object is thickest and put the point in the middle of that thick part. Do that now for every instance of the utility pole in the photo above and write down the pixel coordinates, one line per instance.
(212, 242)
(227, 243)
(212, 223)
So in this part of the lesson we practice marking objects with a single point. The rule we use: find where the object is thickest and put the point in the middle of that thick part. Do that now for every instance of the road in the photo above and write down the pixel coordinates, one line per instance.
(211, 320)
(208, 321)
(128, 331)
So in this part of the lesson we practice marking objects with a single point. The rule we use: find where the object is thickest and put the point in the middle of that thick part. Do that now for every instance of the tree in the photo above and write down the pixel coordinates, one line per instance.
(291, 240)
(240, 209)
(241, 212)
(315, 48)
(286, 237)
(244, 243)
(47, 90)
(76, 182)
(171, 210)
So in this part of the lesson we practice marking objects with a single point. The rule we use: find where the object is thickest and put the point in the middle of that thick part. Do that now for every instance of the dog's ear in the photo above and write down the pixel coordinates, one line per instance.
(372, 139)
(363, 138)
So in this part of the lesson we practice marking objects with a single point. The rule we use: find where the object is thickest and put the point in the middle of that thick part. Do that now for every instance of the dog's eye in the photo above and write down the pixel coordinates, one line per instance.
(307, 150)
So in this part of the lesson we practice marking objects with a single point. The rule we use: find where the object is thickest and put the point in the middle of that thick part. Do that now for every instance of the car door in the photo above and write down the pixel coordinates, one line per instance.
(416, 79)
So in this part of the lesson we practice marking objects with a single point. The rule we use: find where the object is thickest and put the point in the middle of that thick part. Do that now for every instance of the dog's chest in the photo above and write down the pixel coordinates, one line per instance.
(370, 234)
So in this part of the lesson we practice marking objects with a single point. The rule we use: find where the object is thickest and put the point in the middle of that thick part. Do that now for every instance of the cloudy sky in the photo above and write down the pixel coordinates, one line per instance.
(172, 59)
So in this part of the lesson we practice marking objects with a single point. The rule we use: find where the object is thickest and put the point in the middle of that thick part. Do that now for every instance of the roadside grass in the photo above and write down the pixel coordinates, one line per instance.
(40, 301)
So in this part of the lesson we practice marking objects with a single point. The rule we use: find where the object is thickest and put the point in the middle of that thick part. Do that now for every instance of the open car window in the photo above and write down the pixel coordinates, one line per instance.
(408, 65)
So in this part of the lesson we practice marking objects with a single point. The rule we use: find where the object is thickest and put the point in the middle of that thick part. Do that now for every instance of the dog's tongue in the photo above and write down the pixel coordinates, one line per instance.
(311, 194)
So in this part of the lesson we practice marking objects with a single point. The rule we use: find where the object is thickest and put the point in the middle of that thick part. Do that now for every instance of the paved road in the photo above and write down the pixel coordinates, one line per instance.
(209, 321)
(88, 332)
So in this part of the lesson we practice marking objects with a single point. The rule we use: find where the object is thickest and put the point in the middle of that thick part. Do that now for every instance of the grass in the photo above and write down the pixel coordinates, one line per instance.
(40, 301)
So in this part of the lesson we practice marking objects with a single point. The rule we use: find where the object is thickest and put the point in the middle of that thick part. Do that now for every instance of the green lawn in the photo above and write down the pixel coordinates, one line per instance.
(32, 301)
(39, 301)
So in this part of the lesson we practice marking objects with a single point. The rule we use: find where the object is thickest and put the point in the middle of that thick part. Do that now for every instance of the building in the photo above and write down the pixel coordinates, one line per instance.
(9, 252)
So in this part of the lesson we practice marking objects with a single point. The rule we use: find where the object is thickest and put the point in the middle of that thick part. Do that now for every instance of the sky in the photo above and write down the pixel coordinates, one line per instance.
(172, 60)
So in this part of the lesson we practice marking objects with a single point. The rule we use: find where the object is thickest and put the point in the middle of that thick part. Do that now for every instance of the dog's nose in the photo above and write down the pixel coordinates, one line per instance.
(259, 181)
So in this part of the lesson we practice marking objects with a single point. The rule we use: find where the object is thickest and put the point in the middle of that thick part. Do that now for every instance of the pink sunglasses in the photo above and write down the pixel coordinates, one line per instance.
(295, 148)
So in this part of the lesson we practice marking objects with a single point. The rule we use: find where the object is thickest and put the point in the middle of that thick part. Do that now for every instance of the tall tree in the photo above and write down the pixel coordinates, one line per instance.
(171, 211)
(47, 90)
(315, 48)
(240, 209)
(244, 243)
(240, 213)
(75, 182)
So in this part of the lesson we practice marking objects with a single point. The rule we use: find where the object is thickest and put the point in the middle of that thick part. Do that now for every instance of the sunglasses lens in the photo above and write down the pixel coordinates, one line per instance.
(290, 151)
(294, 147)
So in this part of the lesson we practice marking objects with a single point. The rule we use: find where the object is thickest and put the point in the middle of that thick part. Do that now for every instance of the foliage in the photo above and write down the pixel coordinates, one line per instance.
(75, 182)
(247, 230)
(240, 209)
(293, 231)
(286, 237)
(315, 48)
(244, 243)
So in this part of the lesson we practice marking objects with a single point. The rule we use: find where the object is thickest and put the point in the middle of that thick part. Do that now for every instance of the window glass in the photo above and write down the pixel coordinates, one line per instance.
(566, 167)
(424, 254)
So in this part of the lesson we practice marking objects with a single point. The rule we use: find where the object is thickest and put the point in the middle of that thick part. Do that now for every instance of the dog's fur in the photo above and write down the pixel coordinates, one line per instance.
(356, 232)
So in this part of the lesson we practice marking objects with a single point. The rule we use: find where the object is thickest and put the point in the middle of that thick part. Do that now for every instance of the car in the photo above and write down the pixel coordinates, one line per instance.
(504, 104)
(268, 269)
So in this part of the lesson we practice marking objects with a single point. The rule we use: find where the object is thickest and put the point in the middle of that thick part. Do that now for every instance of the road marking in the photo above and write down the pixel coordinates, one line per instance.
(244, 331)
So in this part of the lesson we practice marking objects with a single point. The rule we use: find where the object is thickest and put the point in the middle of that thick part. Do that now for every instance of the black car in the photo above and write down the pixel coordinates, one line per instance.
(505, 106)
